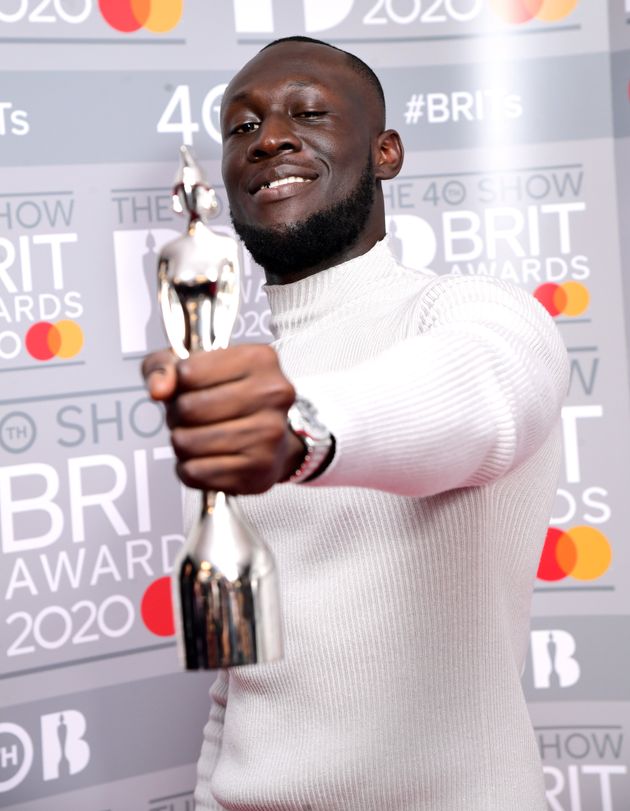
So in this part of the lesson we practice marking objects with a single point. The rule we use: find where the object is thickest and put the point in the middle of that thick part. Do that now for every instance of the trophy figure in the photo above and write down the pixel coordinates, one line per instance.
(224, 582)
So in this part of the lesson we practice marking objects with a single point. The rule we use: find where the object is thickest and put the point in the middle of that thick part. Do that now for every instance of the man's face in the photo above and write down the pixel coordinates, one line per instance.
(298, 127)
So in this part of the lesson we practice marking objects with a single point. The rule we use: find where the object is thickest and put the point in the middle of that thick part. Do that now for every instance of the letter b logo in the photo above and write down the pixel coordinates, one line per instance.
(64, 752)
(257, 16)
(553, 661)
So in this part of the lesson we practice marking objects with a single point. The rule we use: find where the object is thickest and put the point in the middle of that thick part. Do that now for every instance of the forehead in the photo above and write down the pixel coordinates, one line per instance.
(295, 65)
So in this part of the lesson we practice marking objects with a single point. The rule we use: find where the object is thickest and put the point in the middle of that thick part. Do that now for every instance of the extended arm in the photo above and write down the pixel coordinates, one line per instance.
(471, 396)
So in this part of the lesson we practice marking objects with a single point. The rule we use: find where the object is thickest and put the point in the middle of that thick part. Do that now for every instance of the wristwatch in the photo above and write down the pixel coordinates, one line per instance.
(317, 439)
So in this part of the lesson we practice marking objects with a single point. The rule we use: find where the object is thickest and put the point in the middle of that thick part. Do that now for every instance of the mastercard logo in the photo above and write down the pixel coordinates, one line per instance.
(570, 298)
(582, 552)
(156, 16)
(522, 11)
(156, 608)
(61, 340)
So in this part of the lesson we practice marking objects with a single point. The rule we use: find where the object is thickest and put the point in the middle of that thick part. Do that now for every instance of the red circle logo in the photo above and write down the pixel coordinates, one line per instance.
(570, 299)
(582, 552)
(61, 340)
(127, 16)
(156, 607)
(522, 11)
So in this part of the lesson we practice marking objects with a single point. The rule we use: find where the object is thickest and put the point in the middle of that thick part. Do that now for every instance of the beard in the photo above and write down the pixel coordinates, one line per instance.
(323, 236)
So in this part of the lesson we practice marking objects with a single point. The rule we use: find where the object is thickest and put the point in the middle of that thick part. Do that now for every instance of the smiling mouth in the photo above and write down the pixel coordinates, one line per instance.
(285, 181)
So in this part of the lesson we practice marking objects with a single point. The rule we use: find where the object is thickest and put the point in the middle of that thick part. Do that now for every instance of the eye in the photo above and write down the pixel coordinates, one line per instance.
(310, 114)
(244, 128)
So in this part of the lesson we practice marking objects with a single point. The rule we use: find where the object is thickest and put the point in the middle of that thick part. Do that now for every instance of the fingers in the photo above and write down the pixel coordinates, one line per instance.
(238, 473)
(227, 473)
(230, 401)
(227, 438)
(239, 456)
(228, 384)
(160, 374)
(206, 369)
(227, 411)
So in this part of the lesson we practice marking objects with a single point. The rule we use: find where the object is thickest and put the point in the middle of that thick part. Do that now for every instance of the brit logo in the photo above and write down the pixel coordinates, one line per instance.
(64, 750)
(257, 16)
(553, 659)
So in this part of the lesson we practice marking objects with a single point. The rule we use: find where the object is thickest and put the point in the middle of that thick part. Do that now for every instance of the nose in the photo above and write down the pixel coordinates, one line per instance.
(275, 134)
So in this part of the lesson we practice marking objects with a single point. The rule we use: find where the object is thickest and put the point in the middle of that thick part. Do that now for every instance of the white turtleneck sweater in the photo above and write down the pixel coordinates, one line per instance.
(406, 569)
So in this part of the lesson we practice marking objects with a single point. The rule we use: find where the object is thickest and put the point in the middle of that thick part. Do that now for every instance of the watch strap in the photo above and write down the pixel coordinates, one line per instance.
(318, 442)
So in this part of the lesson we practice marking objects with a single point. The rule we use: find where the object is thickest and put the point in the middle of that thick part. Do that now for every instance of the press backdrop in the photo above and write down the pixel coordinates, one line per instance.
(516, 119)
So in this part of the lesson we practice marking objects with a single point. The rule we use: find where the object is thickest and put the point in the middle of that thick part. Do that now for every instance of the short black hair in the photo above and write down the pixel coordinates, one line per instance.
(357, 65)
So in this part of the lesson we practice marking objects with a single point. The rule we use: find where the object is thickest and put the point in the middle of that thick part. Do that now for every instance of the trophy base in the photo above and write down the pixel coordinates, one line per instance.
(226, 593)
(225, 623)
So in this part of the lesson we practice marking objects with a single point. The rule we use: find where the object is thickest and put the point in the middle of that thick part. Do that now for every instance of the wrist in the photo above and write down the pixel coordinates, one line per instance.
(317, 443)
(296, 452)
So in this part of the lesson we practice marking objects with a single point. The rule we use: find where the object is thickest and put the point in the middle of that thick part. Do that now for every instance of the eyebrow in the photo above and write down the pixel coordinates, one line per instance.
(243, 95)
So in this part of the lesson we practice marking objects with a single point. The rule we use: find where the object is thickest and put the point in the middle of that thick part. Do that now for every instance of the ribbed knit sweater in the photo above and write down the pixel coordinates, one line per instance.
(406, 569)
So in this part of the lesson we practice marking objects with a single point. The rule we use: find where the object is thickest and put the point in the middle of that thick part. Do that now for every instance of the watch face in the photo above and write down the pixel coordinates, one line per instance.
(303, 420)
(306, 409)
(302, 417)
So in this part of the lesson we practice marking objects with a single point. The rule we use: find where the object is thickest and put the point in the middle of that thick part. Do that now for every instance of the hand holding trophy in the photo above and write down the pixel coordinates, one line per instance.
(224, 582)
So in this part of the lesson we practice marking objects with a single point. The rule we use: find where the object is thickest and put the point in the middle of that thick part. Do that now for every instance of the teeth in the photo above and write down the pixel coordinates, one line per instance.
(283, 182)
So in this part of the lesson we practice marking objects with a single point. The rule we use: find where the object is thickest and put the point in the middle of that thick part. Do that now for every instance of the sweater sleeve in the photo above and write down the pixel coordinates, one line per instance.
(468, 397)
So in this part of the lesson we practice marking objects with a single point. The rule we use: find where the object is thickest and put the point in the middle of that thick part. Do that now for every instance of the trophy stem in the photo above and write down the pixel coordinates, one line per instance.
(209, 500)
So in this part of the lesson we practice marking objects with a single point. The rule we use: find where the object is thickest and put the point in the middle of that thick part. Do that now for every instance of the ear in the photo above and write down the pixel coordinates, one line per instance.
(388, 155)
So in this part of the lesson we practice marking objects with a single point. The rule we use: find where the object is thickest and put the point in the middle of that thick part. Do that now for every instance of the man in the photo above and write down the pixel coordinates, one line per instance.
(407, 539)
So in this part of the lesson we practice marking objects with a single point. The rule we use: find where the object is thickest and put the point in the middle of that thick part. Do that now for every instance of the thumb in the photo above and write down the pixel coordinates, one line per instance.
(160, 375)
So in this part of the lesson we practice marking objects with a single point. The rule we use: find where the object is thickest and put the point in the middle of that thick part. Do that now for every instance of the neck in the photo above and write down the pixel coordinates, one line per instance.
(371, 233)
(360, 247)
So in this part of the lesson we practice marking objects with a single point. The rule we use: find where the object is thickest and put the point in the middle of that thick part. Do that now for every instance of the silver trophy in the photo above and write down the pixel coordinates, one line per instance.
(224, 583)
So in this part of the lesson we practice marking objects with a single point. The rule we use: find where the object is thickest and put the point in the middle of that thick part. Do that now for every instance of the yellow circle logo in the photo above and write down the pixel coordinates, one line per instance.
(522, 11)
(156, 16)
(582, 552)
(570, 299)
(61, 340)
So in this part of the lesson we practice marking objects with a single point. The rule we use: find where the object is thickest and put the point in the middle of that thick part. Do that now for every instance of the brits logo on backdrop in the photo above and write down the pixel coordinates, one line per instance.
(64, 750)
(40, 306)
(583, 766)
(412, 240)
(553, 659)
(257, 16)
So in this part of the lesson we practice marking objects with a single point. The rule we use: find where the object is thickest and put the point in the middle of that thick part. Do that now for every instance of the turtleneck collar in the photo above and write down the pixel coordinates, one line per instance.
(296, 305)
